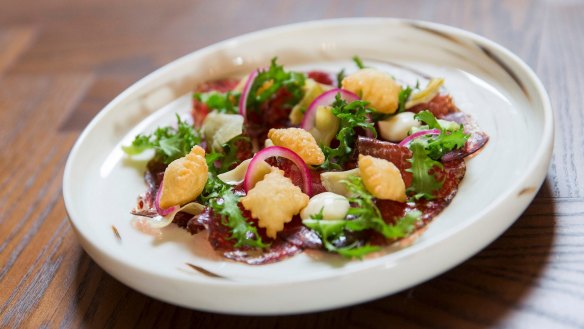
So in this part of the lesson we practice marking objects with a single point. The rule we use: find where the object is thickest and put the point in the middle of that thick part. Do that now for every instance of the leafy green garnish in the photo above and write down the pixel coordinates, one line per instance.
(334, 230)
(340, 77)
(242, 232)
(214, 187)
(268, 82)
(358, 62)
(424, 184)
(168, 143)
(368, 215)
(428, 118)
(319, 215)
(220, 102)
(365, 215)
(427, 150)
(220, 197)
(225, 203)
(351, 115)
(403, 96)
(227, 157)
(446, 141)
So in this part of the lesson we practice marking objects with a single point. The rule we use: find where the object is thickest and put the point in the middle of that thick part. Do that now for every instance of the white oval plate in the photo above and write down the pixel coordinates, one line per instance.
(489, 82)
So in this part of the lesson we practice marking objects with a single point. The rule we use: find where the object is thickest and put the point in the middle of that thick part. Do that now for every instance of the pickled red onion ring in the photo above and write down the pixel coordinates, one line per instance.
(325, 99)
(415, 135)
(277, 151)
(245, 92)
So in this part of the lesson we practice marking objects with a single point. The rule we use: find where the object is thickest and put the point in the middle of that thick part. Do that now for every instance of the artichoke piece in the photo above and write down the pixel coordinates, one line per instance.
(312, 89)
(237, 175)
(333, 181)
(426, 95)
(219, 128)
(326, 126)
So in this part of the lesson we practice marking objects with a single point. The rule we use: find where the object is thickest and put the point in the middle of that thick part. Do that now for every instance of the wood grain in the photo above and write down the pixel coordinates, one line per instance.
(62, 61)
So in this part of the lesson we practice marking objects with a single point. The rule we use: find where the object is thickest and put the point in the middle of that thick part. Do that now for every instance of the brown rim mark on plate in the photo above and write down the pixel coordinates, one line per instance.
(435, 32)
(205, 272)
(504, 66)
(527, 190)
(485, 50)
(116, 233)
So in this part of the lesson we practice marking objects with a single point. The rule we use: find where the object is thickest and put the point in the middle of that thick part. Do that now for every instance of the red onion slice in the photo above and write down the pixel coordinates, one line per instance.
(245, 92)
(325, 99)
(161, 211)
(415, 135)
(277, 151)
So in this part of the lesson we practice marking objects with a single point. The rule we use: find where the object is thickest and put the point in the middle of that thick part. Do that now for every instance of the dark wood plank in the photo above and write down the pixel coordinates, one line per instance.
(13, 42)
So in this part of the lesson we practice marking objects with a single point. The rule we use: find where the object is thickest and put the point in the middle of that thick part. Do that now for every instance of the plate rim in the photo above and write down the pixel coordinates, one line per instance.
(541, 156)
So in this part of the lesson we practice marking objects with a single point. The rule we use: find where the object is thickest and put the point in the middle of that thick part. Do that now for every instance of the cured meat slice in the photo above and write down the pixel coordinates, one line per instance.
(317, 186)
(398, 155)
(451, 175)
(440, 106)
(200, 110)
(299, 235)
(271, 114)
(321, 77)
(220, 240)
(153, 176)
(279, 250)
(475, 142)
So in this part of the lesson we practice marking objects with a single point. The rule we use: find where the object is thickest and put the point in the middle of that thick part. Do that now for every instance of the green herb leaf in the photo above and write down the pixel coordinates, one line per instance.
(446, 142)
(358, 62)
(357, 252)
(403, 226)
(244, 234)
(168, 143)
(351, 115)
(340, 77)
(224, 202)
(428, 118)
(331, 230)
(365, 216)
(424, 184)
(449, 139)
(221, 102)
(427, 150)
(368, 215)
(403, 97)
(228, 157)
(269, 82)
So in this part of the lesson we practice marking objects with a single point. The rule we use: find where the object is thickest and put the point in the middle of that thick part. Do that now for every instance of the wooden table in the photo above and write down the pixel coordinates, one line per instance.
(62, 61)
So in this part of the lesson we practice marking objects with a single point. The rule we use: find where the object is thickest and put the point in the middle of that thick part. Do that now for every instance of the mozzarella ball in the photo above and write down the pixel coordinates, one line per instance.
(334, 206)
(395, 128)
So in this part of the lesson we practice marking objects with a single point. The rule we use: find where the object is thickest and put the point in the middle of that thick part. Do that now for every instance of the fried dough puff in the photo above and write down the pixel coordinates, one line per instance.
(274, 201)
(376, 87)
(382, 178)
(184, 179)
(300, 141)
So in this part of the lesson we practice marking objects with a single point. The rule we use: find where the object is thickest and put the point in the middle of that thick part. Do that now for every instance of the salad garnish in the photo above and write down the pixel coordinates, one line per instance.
(285, 161)
(352, 115)
(275, 79)
(169, 143)
(221, 102)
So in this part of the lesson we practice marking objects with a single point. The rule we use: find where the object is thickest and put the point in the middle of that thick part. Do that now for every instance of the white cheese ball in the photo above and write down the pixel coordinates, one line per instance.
(334, 206)
(395, 128)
